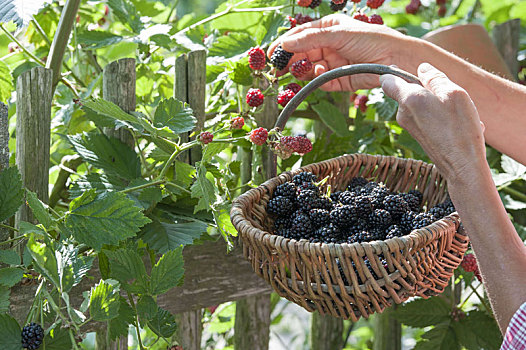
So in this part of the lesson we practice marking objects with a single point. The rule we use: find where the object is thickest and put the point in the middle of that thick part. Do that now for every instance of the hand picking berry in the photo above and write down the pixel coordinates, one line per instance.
(280, 58)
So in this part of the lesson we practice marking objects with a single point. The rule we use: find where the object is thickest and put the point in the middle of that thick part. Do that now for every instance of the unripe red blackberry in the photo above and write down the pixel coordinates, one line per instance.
(356, 1)
(258, 136)
(294, 87)
(12, 47)
(237, 123)
(441, 2)
(376, 19)
(293, 21)
(284, 97)
(413, 7)
(256, 58)
(315, 3)
(304, 3)
(338, 2)
(361, 17)
(442, 11)
(303, 145)
(301, 19)
(374, 4)
(469, 263)
(206, 137)
(254, 97)
(301, 67)
(338, 5)
(280, 58)
(361, 102)
(32, 336)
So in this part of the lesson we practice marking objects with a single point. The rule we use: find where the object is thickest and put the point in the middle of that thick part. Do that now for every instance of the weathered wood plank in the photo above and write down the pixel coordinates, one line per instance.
(33, 133)
(196, 93)
(506, 38)
(252, 325)
(118, 86)
(4, 154)
(190, 329)
(181, 93)
(326, 332)
(387, 331)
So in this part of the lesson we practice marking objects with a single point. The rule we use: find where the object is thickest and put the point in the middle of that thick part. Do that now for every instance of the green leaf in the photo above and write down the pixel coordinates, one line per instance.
(95, 39)
(511, 203)
(9, 276)
(44, 257)
(107, 153)
(163, 323)
(98, 182)
(331, 116)
(478, 330)
(387, 108)
(213, 149)
(168, 272)
(105, 301)
(127, 13)
(9, 257)
(27, 228)
(118, 326)
(423, 312)
(57, 339)
(106, 218)
(71, 267)
(175, 115)
(163, 237)
(10, 333)
(231, 45)
(146, 197)
(512, 167)
(270, 27)
(442, 337)
(11, 192)
(4, 299)
(39, 211)
(203, 189)
(184, 173)
(6, 82)
(242, 74)
(146, 308)
(126, 265)
(111, 110)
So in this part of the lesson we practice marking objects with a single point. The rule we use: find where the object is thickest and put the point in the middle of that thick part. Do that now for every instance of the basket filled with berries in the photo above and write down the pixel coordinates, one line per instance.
(352, 235)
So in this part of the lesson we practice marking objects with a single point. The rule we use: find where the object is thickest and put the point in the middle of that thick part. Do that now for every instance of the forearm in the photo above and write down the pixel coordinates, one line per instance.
(500, 253)
(501, 104)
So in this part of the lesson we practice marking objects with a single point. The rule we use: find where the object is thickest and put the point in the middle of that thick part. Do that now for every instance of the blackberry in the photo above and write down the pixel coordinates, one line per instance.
(422, 220)
(301, 225)
(344, 215)
(347, 197)
(283, 231)
(412, 201)
(32, 336)
(324, 203)
(256, 58)
(376, 234)
(328, 234)
(304, 177)
(362, 236)
(254, 97)
(315, 3)
(367, 189)
(280, 58)
(380, 218)
(363, 205)
(395, 205)
(284, 97)
(287, 189)
(357, 182)
(338, 7)
(280, 206)
(308, 186)
(437, 212)
(376, 19)
(406, 221)
(335, 196)
(319, 217)
(307, 200)
(378, 195)
(258, 136)
(206, 137)
(394, 231)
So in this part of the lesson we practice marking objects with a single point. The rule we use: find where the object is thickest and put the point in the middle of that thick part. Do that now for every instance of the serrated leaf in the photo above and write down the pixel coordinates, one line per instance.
(11, 192)
(231, 45)
(184, 173)
(105, 301)
(478, 330)
(423, 312)
(203, 189)
(9, 276)
(127, 13)
(71, 267)
(107, 153)
(27, 228)
(146, 308)
(387, 108)
(4, 299)
(241, 74)
(175, 115)
(146, 197)
(10, 333)
(6, 81)
(9, 257)
(106, 113)
(106, 218)
(118, 327)
(442, 337)
(39, 211)
(95, 39)
(20, 12)
(43, 256)
(163, 323)
(270, 26)
(511, 203)
(163, 237)
(512, 167)
(331, 116)
(99, 182)
(168, 272)
(213, 149)
(126, 265)
(57, 339)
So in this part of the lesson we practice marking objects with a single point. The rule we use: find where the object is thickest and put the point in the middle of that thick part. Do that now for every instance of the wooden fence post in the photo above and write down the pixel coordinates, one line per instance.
(4, 155)
(326, 332)
(506, 38)
(190, 87)
(33, 134)
(387, 331)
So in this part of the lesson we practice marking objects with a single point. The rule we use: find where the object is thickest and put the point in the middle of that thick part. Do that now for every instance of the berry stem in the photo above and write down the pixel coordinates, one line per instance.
(130, 298)
(513, 192)
(480, 298)
(178, 149)
(12, 229)
(179, 187)
(140, 187)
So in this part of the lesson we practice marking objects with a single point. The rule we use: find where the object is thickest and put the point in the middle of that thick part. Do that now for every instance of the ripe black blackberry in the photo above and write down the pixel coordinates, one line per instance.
(344, 215)
(304, 177)
(395, 205)
(406, 221)
(338, 7)
(287, 189)
(356, 183)
(307, 200)
(325, 203)
(367, 189)
(319, 217)
(315, 3)
(308, 185)
(422, 220)
(280, 206)
(363, 205)
(301, 225)
(412, 201)
(393, 231)
(328, 234)
(437, 212)
(378, 195)
(280, 58)
(32, 336)
(283, 231)
(282, 222)
(347, 197)
(380, 218)
(335, 196)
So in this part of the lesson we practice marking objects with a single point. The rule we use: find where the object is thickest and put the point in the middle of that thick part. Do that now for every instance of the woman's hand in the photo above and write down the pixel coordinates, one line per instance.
(339, 40)
(442, 118)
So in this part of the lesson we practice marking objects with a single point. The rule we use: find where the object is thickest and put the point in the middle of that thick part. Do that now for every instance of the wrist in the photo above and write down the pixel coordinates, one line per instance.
(476, 173)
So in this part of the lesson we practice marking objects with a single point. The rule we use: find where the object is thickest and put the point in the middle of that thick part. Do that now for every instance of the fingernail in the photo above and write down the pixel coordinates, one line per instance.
(425, 67)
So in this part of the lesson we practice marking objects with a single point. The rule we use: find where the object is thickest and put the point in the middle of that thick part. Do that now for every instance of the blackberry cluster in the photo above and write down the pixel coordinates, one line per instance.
(32, 336)
(366, 211)
(280, 58)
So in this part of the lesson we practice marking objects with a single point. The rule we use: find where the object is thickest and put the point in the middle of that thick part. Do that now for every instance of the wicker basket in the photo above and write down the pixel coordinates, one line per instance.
(309, 274)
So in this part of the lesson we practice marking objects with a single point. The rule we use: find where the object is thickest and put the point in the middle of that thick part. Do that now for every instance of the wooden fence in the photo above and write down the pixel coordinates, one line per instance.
(211, 276)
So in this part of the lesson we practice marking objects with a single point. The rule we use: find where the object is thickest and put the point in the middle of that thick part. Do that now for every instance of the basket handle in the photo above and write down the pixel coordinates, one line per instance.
(364, 68)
